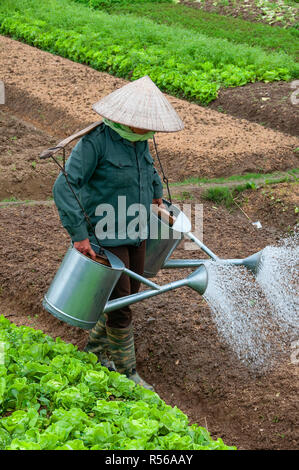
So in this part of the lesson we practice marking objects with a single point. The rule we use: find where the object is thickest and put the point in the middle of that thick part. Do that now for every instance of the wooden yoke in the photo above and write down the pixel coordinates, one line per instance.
(51, 151)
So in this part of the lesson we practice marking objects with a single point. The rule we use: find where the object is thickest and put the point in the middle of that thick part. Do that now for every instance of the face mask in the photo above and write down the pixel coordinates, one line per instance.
(126, 133)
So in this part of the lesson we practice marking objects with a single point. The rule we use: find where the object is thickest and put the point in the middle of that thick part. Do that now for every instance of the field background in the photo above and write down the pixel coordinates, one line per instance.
(230, 79)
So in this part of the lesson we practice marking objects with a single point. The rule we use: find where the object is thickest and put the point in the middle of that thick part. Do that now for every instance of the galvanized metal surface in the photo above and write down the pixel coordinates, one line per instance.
(251, 262)
(162, 242)
(81, 287)
(204, 248)
(198, 280)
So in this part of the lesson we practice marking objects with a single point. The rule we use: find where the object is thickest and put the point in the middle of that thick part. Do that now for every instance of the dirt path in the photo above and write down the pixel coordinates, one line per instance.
(258, 181)
(56, 94)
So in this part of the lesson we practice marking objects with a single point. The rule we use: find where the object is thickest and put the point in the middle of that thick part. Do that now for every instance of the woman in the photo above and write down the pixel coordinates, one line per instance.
(112, 171)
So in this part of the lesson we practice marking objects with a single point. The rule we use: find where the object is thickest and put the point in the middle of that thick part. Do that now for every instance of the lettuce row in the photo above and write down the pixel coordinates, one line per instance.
(190, 78)
(53, 396)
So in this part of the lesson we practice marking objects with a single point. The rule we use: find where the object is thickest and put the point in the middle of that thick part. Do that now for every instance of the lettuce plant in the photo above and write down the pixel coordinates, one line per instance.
(53, 396)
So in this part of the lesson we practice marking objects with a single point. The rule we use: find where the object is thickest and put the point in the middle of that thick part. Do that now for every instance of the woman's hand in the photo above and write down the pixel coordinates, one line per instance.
(85, 248)
(159, 203)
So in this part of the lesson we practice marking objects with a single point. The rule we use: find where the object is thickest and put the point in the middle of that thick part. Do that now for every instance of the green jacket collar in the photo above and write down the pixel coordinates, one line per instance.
(114, 135)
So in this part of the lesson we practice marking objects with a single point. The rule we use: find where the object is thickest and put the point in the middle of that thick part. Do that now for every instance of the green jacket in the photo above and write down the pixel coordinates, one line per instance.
(102, 167)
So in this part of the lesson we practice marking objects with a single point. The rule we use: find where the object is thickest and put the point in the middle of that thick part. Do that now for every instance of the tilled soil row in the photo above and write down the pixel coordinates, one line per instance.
(24, 176)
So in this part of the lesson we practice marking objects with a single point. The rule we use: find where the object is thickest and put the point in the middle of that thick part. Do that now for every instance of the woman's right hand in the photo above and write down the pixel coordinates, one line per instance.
(84, 247)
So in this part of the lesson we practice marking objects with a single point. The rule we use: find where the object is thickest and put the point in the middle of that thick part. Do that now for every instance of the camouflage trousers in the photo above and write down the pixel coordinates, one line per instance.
(98, 343)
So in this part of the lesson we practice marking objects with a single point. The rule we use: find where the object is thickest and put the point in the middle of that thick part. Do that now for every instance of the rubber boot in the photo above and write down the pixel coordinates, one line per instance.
(98, 344)
(122, 350)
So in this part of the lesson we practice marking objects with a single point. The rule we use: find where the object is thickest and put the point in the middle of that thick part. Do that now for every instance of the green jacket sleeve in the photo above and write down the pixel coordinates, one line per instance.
(158, 188)
(80, 168)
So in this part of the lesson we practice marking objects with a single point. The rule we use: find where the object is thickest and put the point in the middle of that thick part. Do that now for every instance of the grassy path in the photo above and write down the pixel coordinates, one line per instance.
(231, 182)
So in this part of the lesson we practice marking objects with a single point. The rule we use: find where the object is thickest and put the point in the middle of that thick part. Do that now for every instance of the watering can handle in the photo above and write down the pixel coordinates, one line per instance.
(163, 214)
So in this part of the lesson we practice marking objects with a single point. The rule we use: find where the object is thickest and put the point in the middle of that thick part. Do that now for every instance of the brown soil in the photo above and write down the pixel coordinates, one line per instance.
(277, 203)
(247, 10)
(268, 104)
(22, 174)
(56, 94)
(178, 348)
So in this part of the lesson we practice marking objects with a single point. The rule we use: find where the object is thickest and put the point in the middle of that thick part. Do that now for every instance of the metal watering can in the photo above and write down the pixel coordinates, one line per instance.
(80, 290)
(158, 251)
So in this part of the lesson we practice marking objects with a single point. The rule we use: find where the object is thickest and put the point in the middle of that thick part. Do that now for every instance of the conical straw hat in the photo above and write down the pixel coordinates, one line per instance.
(140, 104)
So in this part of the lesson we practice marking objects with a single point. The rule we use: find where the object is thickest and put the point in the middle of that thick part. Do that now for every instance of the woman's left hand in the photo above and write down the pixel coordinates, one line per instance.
(159, 202)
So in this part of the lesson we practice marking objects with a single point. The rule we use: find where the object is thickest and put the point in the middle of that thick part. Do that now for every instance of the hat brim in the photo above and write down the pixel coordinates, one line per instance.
(142, 105)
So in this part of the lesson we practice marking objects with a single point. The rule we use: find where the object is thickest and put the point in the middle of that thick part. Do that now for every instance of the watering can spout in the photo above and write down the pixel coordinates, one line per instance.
(198, 280)
(253, 262)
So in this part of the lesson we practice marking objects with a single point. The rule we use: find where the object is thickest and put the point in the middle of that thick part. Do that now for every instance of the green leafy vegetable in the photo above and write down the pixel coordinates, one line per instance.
(180, 61)
(53, 396)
